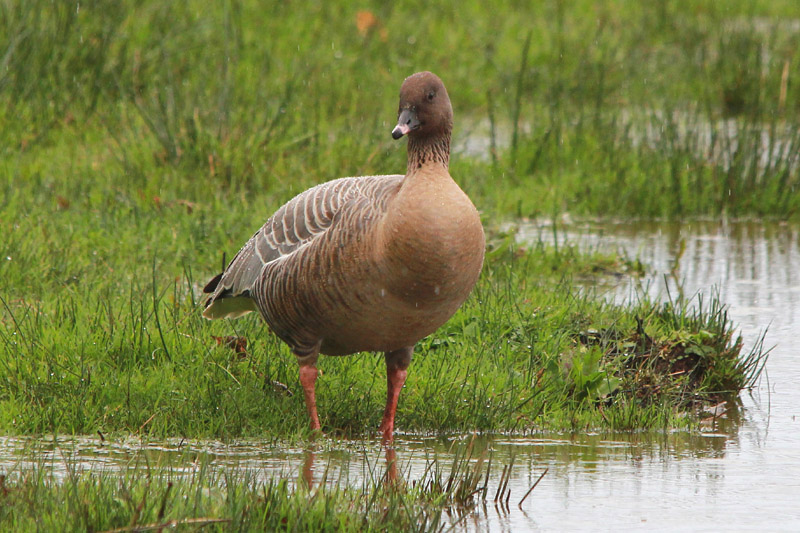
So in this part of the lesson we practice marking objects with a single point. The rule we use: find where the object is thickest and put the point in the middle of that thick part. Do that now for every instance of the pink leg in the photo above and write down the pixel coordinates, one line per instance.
(395, 380)
(308, 378)
(396, 364)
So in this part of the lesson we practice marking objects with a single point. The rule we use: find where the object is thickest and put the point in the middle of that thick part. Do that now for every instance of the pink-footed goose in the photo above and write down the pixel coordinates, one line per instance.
(372, 263)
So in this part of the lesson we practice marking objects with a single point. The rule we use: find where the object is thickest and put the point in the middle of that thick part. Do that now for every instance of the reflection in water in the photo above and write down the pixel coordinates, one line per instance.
(582, 467)
(391, 466)
(354, 461)
(310, 479)
(743, 471)
(308, 468)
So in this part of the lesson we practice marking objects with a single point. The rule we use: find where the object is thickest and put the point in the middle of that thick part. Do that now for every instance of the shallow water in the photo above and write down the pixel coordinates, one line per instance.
(755, 473)
(741, 473)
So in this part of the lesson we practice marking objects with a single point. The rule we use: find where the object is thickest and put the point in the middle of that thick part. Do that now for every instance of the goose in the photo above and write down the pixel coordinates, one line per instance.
(365, 264)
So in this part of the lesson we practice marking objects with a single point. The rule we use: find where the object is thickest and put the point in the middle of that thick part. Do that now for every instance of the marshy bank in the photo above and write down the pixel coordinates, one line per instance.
(530, 350)
(111, 481)
(713, 470)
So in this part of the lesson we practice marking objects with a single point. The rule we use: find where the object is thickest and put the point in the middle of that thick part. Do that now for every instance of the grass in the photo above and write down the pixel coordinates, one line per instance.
(141, 140)
(131, 354)
(670, 109)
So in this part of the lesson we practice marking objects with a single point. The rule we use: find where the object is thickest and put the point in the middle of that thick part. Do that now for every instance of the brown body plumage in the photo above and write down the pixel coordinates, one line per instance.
(373, 263)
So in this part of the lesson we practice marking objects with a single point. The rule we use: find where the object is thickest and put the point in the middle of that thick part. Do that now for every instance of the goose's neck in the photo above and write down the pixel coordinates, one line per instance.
(431, 150)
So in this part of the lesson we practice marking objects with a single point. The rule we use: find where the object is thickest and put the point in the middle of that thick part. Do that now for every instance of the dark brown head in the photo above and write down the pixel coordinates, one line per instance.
(425, 108)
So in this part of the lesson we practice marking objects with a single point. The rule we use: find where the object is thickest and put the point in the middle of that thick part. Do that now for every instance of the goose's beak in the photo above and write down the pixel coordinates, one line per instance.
(407, 121)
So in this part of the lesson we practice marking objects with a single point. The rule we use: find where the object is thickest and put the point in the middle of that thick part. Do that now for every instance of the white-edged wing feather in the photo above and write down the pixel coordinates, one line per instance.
(294, 225)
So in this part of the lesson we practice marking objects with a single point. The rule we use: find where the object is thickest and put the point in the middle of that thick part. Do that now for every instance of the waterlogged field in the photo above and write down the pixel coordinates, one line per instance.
(141, 140)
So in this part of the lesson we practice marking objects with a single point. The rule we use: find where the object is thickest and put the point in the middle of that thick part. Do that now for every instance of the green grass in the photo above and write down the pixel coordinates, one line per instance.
(103, 101)
(142, 140)
(125, 350)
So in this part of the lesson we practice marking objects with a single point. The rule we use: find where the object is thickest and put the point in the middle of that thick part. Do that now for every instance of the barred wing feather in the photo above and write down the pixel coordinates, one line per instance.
(296, 224)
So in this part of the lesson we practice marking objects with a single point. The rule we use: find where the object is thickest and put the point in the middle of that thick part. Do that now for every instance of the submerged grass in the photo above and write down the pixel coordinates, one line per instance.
(196, 495)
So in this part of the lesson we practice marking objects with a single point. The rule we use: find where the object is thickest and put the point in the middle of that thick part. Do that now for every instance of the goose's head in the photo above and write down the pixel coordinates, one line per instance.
(424, 109)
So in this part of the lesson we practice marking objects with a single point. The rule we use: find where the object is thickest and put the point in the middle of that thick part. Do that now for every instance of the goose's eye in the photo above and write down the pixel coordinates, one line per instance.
(431, 95)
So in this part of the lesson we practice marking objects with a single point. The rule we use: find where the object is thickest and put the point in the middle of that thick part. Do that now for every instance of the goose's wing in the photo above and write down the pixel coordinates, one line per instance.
(297, 223)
